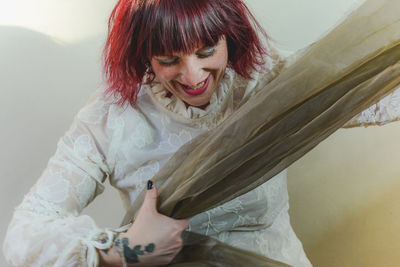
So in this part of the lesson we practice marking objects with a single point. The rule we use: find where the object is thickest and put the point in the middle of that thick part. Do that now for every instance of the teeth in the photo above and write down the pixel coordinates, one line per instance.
(198, 86)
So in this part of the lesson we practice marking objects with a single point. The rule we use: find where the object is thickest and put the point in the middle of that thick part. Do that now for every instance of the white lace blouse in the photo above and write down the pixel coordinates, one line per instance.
(128, 146)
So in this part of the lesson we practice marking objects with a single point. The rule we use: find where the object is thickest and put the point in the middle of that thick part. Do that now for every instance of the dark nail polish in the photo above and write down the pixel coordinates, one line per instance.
(149, 185)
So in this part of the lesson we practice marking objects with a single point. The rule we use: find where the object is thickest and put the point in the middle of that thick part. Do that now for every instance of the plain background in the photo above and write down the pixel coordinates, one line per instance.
(343, 194)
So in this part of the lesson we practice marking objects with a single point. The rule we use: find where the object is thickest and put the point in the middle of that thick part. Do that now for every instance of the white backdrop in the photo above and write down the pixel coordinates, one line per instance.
(50, 63)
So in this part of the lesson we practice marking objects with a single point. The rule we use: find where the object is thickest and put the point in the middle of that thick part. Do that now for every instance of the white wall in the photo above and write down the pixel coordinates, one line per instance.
(343, 193)
(49, 65)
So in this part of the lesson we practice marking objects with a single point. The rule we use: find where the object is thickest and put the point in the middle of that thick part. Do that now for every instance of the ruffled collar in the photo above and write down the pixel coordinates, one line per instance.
(219, 108)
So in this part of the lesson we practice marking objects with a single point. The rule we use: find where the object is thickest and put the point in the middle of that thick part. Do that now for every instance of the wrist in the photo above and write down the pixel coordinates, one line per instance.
(112, 256)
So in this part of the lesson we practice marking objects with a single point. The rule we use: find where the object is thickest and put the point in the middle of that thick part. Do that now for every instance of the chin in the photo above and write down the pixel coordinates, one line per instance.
(202, 104)
(201, 101)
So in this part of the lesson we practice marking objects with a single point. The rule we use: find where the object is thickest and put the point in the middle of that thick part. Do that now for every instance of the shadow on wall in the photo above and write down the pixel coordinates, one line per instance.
(43, 84)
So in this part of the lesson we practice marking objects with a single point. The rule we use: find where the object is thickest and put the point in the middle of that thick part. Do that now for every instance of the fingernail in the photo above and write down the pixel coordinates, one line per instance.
(149, 185)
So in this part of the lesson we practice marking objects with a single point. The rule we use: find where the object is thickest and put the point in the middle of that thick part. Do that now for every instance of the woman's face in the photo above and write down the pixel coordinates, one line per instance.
(192, 78)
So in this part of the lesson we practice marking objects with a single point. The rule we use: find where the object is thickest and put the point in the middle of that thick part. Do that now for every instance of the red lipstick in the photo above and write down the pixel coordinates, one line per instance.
(198, 91)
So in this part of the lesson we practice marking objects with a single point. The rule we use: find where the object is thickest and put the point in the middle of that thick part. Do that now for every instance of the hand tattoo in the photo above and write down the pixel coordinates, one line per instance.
(131, 254)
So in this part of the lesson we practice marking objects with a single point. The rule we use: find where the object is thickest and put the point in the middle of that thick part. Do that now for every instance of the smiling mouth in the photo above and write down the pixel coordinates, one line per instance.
(198, 86)
(198, 89)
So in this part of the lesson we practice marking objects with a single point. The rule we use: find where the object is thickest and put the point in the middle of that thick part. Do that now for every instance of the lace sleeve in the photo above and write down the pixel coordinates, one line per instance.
(46, 228)
(385, 111)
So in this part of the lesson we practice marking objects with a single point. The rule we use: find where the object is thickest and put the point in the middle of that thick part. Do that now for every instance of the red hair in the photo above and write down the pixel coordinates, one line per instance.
(141, 29)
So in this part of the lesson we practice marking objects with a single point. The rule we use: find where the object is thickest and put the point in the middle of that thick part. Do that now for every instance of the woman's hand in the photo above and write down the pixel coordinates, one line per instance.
(153, 239)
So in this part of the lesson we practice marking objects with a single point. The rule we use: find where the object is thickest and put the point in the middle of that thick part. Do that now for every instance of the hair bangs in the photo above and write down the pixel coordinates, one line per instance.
(184, 25)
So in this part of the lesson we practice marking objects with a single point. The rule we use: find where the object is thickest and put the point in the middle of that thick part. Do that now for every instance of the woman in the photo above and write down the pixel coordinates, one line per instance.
(175, 69)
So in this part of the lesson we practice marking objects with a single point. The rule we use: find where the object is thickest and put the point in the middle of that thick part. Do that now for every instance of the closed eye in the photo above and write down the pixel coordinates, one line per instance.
(206, 53)
(203, 53)
(168, 62)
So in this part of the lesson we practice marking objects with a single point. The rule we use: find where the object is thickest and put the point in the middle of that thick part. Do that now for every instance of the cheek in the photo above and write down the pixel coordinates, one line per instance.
(220, 61)
(163, 73)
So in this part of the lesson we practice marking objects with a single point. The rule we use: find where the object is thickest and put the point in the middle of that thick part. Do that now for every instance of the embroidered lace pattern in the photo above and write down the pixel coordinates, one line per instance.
(47, 228)
(385, 111)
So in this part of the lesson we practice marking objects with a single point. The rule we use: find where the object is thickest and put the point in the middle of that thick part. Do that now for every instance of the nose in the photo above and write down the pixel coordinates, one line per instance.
(191, 72)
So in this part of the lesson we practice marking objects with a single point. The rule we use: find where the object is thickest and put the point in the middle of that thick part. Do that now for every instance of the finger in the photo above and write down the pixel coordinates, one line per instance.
(172, 253)
(176, 252)
(150, 199)
(184, 223)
